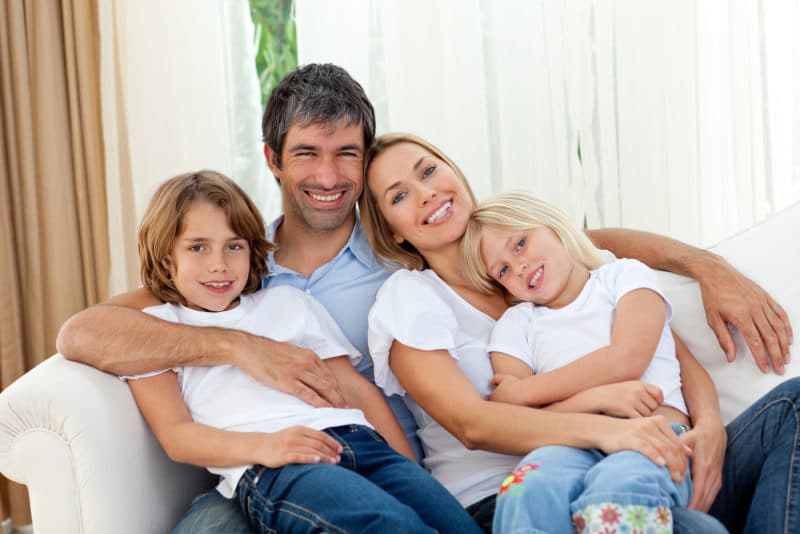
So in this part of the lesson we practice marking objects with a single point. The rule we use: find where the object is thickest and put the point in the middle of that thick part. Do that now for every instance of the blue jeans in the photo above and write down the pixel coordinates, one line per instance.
(557, 489)
(372, 489)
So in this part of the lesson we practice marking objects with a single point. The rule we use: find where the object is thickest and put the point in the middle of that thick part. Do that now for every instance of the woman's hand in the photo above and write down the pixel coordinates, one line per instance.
(653, 437)
(708, 443)
(298, 445)
(629, 399)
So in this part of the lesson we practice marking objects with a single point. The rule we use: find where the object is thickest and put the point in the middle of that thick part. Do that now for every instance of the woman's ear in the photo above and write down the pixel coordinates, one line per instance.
(397, 239)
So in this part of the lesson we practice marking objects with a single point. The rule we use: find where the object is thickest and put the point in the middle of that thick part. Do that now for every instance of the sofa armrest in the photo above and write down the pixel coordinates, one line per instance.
(75, 437)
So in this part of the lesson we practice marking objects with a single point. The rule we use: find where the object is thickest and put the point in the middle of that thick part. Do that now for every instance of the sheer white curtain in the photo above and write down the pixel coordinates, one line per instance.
(675, 117)
(180, 93)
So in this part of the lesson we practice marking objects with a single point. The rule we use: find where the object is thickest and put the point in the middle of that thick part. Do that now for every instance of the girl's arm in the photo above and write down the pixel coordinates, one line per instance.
(633, 398)
(728, 295)
(638, 324)
(160, 401)
(364, 395)
(435, 382)
(708, 438)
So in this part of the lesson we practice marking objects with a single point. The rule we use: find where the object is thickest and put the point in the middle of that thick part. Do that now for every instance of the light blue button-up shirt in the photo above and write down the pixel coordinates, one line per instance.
(346, 285)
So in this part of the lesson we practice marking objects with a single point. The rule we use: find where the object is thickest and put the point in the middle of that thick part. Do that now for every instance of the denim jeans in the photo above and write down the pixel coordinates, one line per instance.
(761, 476)
(372, 489)
(557, 489)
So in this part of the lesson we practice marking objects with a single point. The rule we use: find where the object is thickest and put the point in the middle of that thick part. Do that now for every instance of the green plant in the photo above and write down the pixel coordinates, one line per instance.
(275, 41)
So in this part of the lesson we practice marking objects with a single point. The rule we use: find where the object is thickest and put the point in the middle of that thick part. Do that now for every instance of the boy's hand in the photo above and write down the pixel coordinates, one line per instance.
(298, 445)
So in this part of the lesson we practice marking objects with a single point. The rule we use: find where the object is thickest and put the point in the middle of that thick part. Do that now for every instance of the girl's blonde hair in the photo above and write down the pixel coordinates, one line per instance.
(163, 221)
(512, 212)
(379, 234)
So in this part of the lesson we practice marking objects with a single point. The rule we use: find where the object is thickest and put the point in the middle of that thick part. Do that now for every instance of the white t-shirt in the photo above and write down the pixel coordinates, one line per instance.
(419, 310)
(547, 339)
(224, 397)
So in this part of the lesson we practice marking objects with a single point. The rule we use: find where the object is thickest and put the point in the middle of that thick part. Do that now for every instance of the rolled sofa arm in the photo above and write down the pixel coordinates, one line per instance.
(74, 436)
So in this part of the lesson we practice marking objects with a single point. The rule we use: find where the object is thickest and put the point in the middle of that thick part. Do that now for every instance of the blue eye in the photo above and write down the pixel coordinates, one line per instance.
(503, 270)
(428, 171)
(398, 197)
(520, 243)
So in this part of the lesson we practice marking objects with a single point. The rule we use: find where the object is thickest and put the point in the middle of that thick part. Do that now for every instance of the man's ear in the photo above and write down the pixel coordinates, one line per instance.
(272, 162)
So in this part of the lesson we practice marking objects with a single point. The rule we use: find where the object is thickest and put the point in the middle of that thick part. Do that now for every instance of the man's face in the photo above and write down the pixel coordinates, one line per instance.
(320, 174)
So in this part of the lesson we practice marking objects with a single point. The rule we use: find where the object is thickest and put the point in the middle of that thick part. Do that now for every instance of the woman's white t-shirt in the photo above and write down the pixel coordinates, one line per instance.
(224, 397)
(419, 310)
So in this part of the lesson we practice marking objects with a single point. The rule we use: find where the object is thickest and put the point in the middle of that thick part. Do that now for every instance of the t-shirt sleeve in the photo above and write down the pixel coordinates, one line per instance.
(162, 311)
(408, 308)
(513, 335)
(321, 334)
(626, 275)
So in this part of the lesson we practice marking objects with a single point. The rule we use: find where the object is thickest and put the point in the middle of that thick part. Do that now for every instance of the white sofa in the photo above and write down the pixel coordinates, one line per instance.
(74, 436)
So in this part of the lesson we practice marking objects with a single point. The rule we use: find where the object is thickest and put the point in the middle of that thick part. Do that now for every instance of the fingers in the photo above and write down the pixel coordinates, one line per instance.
(324, 386)
(724, 337)
(306, 445)
(784, 318)
(779, 327)
(771, 339)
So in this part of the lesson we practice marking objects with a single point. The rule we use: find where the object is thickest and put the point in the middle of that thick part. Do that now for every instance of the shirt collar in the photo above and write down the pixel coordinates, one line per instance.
(357, 243)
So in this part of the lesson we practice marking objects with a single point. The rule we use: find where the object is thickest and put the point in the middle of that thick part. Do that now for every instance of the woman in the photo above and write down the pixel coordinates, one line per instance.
(415, 211)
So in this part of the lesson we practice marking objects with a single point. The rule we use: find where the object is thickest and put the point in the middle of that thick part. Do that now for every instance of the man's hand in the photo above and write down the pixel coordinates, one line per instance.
(291, 369)
(731, 297)
(708, 444)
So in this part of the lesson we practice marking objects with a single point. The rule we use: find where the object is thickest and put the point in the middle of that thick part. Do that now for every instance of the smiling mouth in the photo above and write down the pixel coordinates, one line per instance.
(533, 283)
(218, 285)
(438, 214)
(330, 197)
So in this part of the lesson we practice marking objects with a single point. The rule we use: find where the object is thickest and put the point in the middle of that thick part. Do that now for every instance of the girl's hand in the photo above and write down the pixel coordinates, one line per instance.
(298, 445)
(653, 437)
(505, 389)
(629, 399)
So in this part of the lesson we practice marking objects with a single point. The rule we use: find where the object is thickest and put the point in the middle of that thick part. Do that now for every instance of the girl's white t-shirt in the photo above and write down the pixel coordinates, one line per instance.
(547, 339)
(224, 397)
(419, 310)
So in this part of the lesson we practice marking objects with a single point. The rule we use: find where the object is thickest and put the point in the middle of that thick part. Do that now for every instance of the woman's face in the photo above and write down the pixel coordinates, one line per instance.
(420, 196)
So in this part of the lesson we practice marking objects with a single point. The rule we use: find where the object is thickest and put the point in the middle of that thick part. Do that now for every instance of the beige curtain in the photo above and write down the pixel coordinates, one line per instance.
(52, 185)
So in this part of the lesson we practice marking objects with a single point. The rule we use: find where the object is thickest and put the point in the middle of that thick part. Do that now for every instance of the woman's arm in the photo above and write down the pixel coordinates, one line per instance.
(708, 438)
(638, 324)
(117, 337)
(443, 391)
(362, 394)
(160, 401)
(728, 295)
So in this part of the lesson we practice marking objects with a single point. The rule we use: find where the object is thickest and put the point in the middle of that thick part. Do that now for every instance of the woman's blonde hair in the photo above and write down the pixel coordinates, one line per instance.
(512, 212)
(163, 221)
(379, 234)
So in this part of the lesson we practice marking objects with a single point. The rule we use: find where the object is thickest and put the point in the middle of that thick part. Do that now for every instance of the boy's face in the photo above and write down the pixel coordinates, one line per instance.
(320, 174)
(210, 263)
(533, 265)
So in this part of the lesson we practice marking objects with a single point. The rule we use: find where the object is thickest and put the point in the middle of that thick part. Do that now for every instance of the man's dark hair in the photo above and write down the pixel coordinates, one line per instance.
(316, 94)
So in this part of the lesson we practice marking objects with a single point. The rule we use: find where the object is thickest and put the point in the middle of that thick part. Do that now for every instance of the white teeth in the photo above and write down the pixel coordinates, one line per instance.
(325, 198)
(439, 213)
(217, 284)
(536, 277)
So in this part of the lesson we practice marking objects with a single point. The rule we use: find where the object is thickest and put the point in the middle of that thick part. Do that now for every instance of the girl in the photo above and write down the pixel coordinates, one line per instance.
(577, 316)
(290, 466)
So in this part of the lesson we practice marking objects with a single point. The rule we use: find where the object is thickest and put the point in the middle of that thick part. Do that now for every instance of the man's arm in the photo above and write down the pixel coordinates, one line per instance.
(117, 337)
(728, 295)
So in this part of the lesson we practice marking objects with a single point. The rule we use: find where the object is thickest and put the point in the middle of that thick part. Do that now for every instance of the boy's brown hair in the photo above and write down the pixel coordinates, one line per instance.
(163, 221)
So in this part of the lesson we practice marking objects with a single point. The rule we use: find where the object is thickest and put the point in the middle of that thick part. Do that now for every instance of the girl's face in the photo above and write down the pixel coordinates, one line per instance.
(533, 265)
(421, 197)
(210, 263)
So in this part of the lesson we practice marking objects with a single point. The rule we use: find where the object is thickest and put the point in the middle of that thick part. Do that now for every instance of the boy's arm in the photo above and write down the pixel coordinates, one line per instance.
(638, 323)
(160, 401)
(362, 394)
(708, 438)
(117, 337)
(728, 295)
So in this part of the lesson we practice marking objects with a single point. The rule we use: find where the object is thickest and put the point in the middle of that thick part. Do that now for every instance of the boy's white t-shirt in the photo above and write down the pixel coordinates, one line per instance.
(418, 309)
(224, 397)
(547, 339)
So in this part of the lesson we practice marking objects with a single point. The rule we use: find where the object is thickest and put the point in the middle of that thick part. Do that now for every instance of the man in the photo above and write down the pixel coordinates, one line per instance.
(317, 126)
